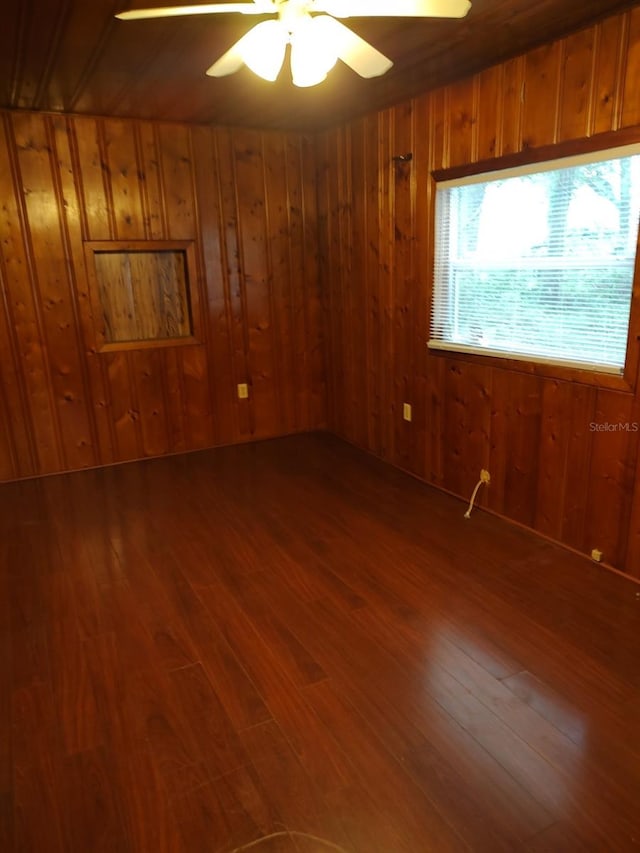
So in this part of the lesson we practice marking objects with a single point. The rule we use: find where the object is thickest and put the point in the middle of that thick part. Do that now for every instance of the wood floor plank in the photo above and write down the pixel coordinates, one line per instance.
(272, 674)
(93, 811)
(291, 645)
(7, 837)
(226, 814)
(411, 818)
(428, 742)
(37, 757)
(291, 788)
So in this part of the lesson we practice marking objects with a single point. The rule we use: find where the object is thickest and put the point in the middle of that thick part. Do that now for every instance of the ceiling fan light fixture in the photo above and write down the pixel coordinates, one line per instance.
(312, 55)
(317, 40)
(263, 48)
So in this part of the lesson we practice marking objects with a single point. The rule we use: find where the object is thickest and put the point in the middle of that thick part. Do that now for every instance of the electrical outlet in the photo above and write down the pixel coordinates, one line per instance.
(596, 555)
(243, 391)
(485, 476)
(406, 411)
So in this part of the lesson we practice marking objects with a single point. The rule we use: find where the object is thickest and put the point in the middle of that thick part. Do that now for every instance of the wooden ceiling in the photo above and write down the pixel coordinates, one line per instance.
(74, 56)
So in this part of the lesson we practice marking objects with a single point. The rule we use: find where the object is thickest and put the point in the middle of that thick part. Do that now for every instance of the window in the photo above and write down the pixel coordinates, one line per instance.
(537, 263)
(142, 293)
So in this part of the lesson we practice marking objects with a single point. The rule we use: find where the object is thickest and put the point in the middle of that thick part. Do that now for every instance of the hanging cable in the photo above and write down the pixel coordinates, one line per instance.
(485, 479)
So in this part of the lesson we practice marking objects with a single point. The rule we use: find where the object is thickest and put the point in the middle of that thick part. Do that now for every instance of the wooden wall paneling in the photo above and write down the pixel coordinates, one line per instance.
(148, 370)
(341, 158)
(351, 327)
(234, 274)
(577, 102)
(277, 206)
(632, 555)
(76, 225)
(609, 46)
(500, 395)
(306, 307)
(611, 471)
(125, 221)
(9, 466)
(345, 277)
(173, 358)
(219, 342)
(150, 366)
(579, 415)
(463, 123)
(386, 203)
(552, 457)
(249, 170)
(43, 206)
(302, 271)
(454, 421)
(91, 168)
(403, 225)
(439, 149)
(335, 287)
(153, 207)
(63, 173)
(121, 152)
(466, 392)
(19, 455)
(177, 181)
(24, 315)
(423, 187)
(512, 112)
(375, 173)
(310, 300)
(124, 410)
(630, 101)
(541, 95)
(489, 118)
(323, 210)
(522, 443)
(358, 287)
(435, 367)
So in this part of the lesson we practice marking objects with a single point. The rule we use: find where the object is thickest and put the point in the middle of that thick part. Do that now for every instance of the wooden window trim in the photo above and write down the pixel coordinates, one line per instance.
(100, 344)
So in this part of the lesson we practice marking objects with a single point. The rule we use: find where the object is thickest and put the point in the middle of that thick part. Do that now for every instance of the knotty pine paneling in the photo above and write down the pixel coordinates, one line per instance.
(549, 470)
(246, 198)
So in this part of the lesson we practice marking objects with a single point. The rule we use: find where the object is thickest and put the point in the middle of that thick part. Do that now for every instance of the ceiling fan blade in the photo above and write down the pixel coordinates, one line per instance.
(354, 51)
(259, 7)
(229, 63)
(393, 8)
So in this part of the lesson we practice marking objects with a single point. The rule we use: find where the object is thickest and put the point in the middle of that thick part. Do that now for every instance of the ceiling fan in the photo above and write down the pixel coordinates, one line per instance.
(317, 39)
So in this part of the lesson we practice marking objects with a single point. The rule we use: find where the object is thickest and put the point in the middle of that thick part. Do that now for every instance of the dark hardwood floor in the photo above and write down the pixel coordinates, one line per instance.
(290, 641)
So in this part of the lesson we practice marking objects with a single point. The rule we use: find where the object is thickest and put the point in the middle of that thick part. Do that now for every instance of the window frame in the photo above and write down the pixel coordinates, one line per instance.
(625, 382)
(100, 343)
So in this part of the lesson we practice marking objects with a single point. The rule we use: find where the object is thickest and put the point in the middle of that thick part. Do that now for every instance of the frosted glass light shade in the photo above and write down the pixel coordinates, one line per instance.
(262, 49)
(312, 55)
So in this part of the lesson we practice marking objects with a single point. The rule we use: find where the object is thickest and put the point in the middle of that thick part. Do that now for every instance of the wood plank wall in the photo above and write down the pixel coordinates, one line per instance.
(549, 470)
(247, 199)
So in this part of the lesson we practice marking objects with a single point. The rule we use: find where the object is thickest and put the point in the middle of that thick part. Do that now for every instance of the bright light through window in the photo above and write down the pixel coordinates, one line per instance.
(538, 263)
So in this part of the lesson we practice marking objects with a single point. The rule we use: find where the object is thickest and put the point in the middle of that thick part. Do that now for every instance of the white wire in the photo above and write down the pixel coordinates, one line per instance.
(473, 497)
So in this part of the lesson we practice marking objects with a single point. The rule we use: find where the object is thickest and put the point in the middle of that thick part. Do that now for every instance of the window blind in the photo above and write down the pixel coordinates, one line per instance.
(538, 263)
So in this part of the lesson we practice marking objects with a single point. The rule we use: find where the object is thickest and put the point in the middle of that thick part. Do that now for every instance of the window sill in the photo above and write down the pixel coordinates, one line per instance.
(609, 379)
